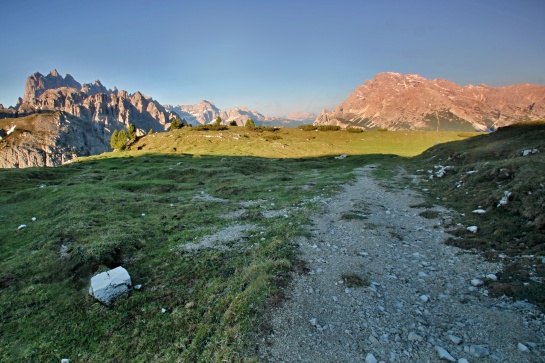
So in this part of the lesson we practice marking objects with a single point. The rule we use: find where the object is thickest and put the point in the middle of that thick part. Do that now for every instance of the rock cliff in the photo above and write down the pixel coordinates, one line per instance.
(411, 102)
(93, 111)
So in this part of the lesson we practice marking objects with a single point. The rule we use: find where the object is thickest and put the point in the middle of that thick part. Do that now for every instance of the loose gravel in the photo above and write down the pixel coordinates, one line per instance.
(382, 286)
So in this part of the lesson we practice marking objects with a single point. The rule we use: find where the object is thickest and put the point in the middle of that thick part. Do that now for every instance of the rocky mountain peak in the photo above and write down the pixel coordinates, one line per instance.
(396, 101)
(54, 73)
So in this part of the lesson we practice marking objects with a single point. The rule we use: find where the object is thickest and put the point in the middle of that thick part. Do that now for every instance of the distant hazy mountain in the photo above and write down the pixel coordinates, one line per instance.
(411, 102)
(206, 112)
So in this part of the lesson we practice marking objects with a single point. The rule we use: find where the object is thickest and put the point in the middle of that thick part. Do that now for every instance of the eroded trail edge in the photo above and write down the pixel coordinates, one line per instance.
(382, 286)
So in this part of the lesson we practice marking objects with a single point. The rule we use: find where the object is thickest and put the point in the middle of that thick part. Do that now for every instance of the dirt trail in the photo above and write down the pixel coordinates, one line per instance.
(382, 286)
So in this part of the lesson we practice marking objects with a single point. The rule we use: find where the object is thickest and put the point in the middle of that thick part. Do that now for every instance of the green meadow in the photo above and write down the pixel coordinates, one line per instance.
(162, 210)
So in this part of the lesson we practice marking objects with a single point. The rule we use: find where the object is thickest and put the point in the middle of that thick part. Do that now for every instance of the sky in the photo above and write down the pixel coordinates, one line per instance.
(275, 57)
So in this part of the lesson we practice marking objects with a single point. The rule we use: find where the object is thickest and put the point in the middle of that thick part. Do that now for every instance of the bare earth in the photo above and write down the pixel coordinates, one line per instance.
(415, 295)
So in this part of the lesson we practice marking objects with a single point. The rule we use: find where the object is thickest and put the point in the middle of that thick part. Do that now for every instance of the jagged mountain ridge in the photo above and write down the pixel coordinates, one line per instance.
(396, 102)
(93, 111)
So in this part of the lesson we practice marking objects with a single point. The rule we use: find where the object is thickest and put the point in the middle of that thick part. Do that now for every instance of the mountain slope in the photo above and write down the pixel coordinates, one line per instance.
(395, 101)
(92, 112)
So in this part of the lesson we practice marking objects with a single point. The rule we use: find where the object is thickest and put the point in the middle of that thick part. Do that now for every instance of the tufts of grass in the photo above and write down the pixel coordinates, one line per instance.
(354, 280)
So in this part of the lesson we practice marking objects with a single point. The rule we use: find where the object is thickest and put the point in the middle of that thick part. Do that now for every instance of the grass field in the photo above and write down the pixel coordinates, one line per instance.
(155, 211)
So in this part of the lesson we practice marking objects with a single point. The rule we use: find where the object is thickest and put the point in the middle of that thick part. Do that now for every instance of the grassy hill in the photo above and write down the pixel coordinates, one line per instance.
(205, 221)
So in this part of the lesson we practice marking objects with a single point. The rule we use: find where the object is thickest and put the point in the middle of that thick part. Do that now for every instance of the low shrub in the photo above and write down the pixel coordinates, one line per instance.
(307, 127)
(210, 127)
(355, 130)
(328, 128)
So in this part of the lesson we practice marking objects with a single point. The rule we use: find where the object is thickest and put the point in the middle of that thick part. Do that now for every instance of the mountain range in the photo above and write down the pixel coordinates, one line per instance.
(410, 102)
(59, 118)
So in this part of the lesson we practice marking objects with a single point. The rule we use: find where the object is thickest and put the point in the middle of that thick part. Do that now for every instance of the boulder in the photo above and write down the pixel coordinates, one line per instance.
(108, 286)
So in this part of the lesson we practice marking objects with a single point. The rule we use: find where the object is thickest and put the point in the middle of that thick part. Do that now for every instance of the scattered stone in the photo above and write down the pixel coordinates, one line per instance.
(424, 298)
(138, 287)
(189, 305)
(143, 214)
(530, 152)
(477, 282)
(478, 351)
(492, 277)
(413, 337)
(456, 340)
(163, 310)
(65, 360)
(22, 226)
(443, 354)
(479, 211)
(505, 199)
(472, 229)
(373, 340)
(370, 358)
(108, 286)
(523, 348)
(340, 157)
(313, 322)
(33, 219)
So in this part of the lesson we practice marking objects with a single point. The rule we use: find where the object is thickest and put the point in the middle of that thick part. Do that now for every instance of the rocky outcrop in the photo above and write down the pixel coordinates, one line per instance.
(411, 102)
(48, 139)
(80, 120)
(37, 84)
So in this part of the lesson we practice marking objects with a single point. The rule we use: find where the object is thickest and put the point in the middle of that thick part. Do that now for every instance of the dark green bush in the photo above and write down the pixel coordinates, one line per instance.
(328, 128)
(355, 130)
(307, 127)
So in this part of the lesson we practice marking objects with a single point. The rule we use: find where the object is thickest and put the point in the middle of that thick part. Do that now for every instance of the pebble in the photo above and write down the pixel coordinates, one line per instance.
(65, 360)
(413, 337)
(478, 351)
(492, 277)
(443, 354)
(456, 340)
(33, 219)
(163, 310)
(424, 298)
(143, 214)
(477, 282)
(479, 211)
(137, 287)
(523, 348)
(472, 229)
(370, 358)
(22, 226)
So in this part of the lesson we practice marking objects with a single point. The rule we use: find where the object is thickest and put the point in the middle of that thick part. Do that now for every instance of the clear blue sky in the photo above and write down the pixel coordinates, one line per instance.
(273, 56)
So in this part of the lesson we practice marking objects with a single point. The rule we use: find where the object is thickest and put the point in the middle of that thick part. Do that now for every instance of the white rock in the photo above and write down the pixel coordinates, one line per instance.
(22, 226)
(65, 360)
(472, 229)
(33, 219)
(422, 274)
(479, 211)
(137, 287)
(443, 354)
(319, 270)
(492, 277)
(477, 282)
(413, 337)
(505, 199)
(424, 298)
(313, 322)
(370, 358)
(143, 214)
(456, 340)
(366, 254)
(109, 285)
(463, 360)
(163, 310)
(523, 348)
(340, 157)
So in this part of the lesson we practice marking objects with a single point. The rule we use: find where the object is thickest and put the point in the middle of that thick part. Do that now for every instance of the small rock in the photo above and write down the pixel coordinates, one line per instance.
(443, 354)
(413, 337)
(65, 360)
(477, 282)
(33, 219)
(456, 340)
(313, 322)
(138, 287)
(479, 211)
(422, 274)
(472, 229)
(424, 298)
(523, 348)
(492, 277)
(143, 214)
(22, 226)
(319, 270)
(370, 358)
(373, 340)
(479, 351)
(108, 286)
(189, 305)
(163, 310)
(364, 254)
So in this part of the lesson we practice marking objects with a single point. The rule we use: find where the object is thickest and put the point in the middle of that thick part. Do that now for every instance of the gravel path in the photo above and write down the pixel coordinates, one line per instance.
(382, 286)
